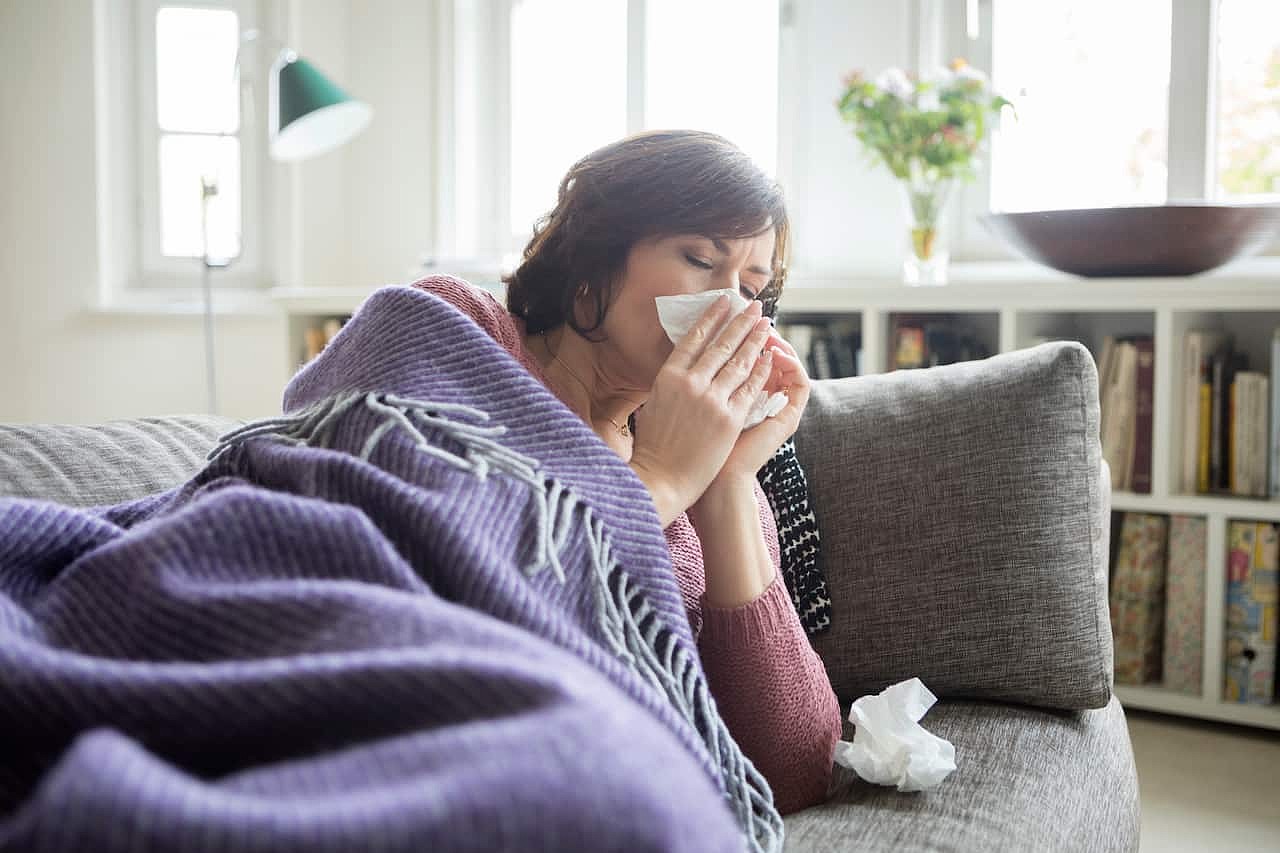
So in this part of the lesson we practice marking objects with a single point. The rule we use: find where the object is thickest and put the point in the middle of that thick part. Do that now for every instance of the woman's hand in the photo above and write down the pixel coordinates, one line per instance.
(757, 445)
(693, 418)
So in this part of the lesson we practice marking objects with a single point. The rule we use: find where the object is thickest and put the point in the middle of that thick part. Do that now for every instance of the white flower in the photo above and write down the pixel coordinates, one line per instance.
(968, 72)
(928, 101)
(895, 82)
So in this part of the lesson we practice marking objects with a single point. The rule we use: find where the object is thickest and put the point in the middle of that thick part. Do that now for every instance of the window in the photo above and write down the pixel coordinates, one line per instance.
(1090, 81)
(1248, 100)
(191, 124)
(528, 95)
(1124, 103)
(197, 129)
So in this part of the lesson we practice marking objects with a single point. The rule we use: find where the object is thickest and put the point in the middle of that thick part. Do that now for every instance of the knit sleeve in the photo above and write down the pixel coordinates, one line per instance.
(477, 303)
(772, 689)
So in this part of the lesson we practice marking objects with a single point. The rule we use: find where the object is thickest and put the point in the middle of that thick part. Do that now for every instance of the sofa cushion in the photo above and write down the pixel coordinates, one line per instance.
(1025, 779)
(105, 463)
(964, 514)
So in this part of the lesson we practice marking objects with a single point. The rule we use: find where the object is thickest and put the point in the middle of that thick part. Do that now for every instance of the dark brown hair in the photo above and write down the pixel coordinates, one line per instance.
(653, 184)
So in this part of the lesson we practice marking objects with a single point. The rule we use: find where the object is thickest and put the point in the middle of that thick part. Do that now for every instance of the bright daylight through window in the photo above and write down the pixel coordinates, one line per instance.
(198, 124)
(1091, 82)
(711, 65)
(1248, 99)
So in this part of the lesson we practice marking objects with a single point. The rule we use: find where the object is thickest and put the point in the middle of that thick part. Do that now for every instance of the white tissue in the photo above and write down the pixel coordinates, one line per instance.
(677, 314)
(890, 747)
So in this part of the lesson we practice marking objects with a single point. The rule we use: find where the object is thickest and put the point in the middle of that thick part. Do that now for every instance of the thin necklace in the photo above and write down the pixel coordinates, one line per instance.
(623, 429)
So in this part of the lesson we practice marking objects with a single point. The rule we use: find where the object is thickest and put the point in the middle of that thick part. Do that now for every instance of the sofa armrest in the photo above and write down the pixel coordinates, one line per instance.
(964, 513)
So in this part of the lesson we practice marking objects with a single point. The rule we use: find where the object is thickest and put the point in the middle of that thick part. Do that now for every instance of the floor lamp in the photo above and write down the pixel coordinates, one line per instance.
(307, 115)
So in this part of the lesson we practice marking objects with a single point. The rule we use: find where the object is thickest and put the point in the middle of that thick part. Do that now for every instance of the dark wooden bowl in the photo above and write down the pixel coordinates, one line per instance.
(1164, 240)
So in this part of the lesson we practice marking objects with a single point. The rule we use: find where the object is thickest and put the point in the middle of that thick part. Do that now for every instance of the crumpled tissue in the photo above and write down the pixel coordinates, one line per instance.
(677, 314)
(890, 747)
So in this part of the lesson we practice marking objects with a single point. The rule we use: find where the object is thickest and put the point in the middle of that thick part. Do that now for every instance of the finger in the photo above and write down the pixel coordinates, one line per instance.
(727, 344)
(736, 370)
(775, 340)
(686, 352)
(746, 393)
(789, 368)
(788, 376)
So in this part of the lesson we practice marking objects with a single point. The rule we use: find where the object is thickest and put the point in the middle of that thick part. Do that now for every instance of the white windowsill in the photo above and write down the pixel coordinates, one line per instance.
(141, 302)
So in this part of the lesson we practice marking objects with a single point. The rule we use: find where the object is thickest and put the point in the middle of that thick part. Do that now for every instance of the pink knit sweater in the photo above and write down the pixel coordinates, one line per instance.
(768, 683)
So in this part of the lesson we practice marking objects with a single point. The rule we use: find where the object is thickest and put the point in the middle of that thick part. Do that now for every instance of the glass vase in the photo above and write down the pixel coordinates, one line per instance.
(927, 253)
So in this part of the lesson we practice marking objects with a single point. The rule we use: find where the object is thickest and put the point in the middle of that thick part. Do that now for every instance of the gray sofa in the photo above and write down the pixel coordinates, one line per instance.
(964, 511)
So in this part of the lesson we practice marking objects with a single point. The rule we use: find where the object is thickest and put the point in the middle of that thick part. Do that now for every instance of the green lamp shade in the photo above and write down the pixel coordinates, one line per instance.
(310, 115)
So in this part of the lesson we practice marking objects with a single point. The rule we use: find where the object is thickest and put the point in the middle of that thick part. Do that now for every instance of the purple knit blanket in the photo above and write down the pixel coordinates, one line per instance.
(426, 609)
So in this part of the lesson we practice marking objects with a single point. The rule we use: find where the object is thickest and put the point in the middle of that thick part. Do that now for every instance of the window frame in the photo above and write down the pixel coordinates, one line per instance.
(153, 270)
(1192, 110)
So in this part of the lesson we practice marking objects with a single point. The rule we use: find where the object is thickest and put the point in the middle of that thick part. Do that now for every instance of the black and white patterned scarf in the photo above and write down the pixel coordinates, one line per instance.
(799, 542)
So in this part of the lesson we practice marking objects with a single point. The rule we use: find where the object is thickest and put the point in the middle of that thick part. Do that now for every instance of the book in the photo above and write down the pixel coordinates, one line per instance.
(1273, 443)
(1117, 442)
(908, 346)
(1258, 435)
(332, 326)
(1196, 345)
(1250, 654)
(1184, 604)
(1246, 440)
(1106, 363)
(844, 346)
(1206, 423)
(1252, 468)
(314, 337)
(1140, 454)
(1137, 598)
(1225, 365)
(820, 356)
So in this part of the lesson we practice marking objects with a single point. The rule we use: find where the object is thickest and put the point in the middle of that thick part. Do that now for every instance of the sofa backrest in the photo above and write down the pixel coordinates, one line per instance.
(105, 463)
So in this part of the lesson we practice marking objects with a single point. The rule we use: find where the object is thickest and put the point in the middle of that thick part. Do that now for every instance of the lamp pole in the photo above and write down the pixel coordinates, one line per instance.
(208, 189)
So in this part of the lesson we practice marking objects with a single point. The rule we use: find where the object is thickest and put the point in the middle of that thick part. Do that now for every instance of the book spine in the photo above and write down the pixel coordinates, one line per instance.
(1138, 599)
(1234, 425)
(1118, 421)
(1184, 604)
(1273, 443)
(1106, 365)
(1140, 476)
(1258, 436)
(1216, 425)
(1206, 424)
(1124, 618)
(1191, 411)
(1237, 654)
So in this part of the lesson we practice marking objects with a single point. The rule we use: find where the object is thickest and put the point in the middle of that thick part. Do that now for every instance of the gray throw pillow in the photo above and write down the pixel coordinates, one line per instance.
(964, 514)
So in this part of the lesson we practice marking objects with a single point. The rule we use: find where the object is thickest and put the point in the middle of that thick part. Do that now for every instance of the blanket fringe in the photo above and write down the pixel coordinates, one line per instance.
(633, 630)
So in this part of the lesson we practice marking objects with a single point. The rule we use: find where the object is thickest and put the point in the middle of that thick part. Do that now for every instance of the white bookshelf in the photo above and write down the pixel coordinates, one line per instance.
(1008, 305)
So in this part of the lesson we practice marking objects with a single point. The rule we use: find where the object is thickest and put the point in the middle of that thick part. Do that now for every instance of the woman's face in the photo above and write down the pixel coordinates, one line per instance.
(669, 266)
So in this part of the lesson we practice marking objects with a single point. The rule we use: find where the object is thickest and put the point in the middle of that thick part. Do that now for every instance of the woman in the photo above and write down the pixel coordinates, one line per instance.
(657, 214)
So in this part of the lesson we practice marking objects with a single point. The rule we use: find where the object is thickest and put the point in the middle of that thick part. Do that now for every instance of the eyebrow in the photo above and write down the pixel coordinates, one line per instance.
(724, 250)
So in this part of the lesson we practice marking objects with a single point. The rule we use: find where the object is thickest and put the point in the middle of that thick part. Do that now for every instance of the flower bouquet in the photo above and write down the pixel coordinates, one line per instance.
(928, 133)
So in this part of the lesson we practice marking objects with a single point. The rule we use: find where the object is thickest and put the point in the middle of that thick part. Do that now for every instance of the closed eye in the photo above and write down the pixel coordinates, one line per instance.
(747, 292)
